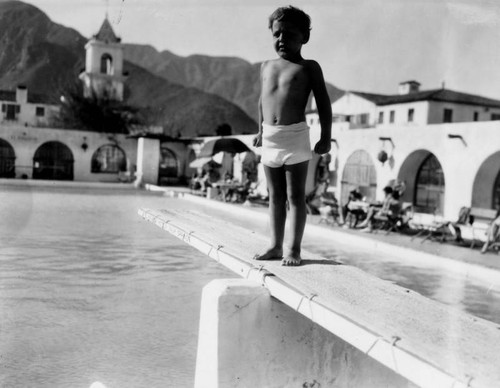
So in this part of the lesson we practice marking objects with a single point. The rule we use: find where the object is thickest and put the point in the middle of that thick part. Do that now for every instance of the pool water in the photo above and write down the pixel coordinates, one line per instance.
(91, 292)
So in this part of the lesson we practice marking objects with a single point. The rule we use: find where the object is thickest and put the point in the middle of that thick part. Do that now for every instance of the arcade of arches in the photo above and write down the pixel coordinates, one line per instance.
(421, 172)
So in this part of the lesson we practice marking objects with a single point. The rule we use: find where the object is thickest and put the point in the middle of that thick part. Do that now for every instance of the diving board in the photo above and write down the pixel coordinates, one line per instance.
(428, 343)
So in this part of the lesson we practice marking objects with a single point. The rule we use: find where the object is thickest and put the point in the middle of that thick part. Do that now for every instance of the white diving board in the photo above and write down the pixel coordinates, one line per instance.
(426, 342)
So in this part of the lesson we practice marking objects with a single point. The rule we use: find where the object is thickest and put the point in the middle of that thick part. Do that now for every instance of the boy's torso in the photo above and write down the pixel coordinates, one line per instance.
(285, 91)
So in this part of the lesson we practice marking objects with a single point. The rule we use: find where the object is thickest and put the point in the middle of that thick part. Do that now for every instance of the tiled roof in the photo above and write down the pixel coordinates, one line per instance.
(106, 33)
(38, 98)
(7, 95)
(442, 95)
(375, 98)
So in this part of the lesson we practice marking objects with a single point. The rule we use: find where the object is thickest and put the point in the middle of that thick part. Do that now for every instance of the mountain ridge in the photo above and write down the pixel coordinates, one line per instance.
(233, 78)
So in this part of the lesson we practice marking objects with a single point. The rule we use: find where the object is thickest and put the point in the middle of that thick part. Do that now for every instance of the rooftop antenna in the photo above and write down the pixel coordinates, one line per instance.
(107, 8)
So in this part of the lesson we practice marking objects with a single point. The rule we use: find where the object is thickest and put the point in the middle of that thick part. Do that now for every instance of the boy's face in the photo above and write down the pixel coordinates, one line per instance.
(287, 39)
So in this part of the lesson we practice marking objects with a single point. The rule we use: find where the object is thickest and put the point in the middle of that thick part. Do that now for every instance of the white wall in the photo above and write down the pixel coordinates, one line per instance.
(354, 105)
(26, 141)
(420, 113)
(27, 114)
(461, 112)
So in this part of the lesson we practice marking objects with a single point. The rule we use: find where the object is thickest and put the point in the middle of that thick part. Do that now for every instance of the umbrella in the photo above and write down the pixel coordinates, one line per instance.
(223, 144)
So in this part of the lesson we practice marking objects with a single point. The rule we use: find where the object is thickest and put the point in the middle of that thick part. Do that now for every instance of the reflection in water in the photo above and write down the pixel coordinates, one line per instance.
(448, 287)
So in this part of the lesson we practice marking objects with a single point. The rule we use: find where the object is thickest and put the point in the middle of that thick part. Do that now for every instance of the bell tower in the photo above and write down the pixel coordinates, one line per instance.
(103, 75)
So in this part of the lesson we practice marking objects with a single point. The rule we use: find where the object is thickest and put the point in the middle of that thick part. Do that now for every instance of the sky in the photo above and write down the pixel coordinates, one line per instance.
(362, 45)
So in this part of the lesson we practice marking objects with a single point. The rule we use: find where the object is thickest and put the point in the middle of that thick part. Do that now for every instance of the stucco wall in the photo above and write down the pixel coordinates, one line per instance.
(461, 112)
(420, 113)
(26, 141)
(470, 163)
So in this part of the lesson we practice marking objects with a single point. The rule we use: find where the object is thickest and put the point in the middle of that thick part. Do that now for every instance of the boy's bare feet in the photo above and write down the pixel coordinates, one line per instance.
(270, 254)
(292, 260)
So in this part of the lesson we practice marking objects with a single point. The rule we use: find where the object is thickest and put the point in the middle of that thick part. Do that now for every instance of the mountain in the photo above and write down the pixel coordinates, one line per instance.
(231, 78)
(35, 51)
(45, 57)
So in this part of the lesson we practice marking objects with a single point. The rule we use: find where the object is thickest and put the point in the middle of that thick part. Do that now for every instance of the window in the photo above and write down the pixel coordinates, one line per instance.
(106, 64)
(476, 116)
(380, 117)
(10, 111)
(391, 116)
(363, 119)
(411, 113)
(40, 111)
(109, 159)
(448, 116)
(495, 116)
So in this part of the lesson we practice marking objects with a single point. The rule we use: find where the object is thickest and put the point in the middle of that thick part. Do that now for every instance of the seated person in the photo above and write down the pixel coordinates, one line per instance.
(493, 233)
(257, 192)
(391, 200)
(354, 195)
(241, 193)
(204, 181)
(313, 200)
(195, 183)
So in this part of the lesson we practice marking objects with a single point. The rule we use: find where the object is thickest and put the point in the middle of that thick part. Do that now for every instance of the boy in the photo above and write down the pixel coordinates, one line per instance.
(283, 134)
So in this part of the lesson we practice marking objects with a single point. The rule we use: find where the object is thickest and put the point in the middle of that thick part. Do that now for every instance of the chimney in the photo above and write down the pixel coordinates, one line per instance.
(408, 87)
(21, 94)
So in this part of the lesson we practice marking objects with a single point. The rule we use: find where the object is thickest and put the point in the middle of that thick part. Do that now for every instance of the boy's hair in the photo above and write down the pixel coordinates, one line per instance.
(293, 15)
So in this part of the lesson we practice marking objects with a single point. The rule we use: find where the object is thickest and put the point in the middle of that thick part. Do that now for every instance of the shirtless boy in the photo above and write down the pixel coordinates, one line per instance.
(283, 134)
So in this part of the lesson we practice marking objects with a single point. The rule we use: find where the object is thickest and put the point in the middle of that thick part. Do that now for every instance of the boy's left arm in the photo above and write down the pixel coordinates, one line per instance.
(324, 107)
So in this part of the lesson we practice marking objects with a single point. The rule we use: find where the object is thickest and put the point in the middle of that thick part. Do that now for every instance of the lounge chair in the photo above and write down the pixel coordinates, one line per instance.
(475, 228)
(430, 226)
(392, 221)
(329, 214)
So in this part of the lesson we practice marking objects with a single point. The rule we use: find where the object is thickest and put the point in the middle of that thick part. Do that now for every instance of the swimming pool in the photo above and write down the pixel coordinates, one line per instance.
(91, 292)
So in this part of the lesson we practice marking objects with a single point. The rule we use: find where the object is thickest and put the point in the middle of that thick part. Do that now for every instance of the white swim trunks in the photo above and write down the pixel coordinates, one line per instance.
(285, 144)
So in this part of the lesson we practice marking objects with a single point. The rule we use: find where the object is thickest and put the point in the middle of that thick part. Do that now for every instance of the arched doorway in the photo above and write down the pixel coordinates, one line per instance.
(496, 193)
(423, 177)
(7, 160)
(54, 161)
(169, 167)
(429, 187)
(359, 172)
(486, 188)
(110, 159)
